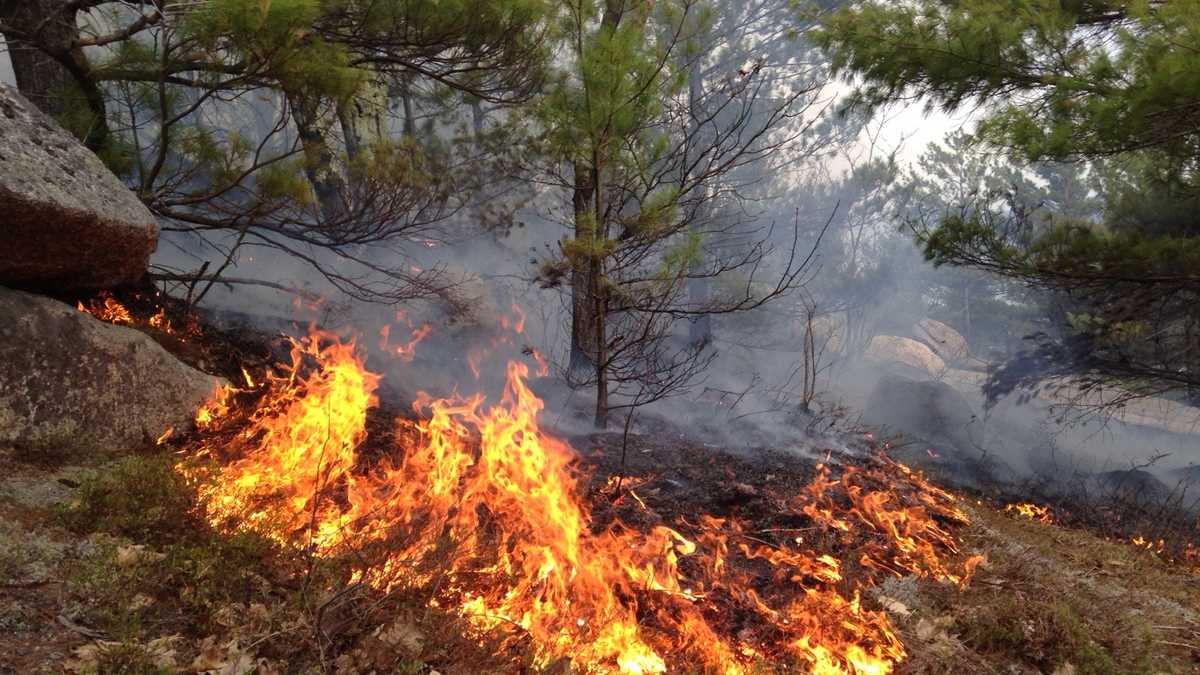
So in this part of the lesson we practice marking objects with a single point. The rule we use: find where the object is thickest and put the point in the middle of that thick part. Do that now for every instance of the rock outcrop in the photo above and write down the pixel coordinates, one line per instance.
(947, 342)
(931, 411)
(892, 349)
(71, 383)
(66, 222)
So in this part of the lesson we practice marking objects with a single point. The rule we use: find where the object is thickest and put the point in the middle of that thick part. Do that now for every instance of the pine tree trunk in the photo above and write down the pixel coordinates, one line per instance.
(319, 165)
(583, 321)
(51, 71)
(601, 420)
(700, 330)
(589, 312)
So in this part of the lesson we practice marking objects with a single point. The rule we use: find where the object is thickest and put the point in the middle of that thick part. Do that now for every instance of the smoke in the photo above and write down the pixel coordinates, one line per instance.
(797, 373)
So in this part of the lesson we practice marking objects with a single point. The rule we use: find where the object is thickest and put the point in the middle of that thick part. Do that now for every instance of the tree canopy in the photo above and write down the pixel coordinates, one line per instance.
(1115, 85)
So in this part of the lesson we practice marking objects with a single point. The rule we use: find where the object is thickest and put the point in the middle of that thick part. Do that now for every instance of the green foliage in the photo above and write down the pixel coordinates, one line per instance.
(278, 39)
(1058, 90)
(1045, 634)
(284, 181)
(616, 83)
(1070, 252)
(125, 587)
(657, 216)
(153, 560)
(138, 497)
(675, 263)
(1105, 82)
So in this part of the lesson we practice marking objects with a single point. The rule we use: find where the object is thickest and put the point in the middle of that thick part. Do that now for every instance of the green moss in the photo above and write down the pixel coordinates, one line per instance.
(141, 498)
(122, 587)
(1046, 635)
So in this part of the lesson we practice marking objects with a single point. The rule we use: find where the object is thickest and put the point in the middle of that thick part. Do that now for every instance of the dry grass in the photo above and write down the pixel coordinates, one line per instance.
(1055, 600)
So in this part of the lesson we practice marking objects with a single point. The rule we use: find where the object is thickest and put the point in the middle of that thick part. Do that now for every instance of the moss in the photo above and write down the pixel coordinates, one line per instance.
(139, 497)
(1044, 634)
(122, 587)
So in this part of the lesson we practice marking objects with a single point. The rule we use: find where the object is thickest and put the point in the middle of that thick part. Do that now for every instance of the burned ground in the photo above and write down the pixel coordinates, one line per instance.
(1046, 599)
(108, 567)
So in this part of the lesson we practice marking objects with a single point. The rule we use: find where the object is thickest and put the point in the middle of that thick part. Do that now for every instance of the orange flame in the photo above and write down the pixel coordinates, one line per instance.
(407, 351)
(1032, 511)
(162, 438)
(482, 508)
(106, 308)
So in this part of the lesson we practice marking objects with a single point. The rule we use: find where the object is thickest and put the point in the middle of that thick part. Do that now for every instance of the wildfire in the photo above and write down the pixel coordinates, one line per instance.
(484, 510)
(1032, 511)
(405, 352)
(106, 308)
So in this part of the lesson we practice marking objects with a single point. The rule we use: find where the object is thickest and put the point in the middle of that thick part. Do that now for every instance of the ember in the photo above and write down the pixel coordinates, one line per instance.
(481, 508)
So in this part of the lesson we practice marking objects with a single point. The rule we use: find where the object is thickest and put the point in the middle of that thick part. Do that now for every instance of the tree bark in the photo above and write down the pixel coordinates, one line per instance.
(51, 70)
(700, 329)
(583, 321)
(319, 165)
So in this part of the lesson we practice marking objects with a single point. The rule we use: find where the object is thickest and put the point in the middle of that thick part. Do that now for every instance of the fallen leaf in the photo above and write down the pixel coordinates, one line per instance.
(406, 635)
(894, 606)
(133, 554)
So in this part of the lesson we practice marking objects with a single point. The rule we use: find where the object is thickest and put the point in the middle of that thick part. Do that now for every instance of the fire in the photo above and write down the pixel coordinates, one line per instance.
(215, 408)
(165, 436)
(160, 321)
(106, 308)
(481, 508)
(1149, 544)
(302, 445)
(404, 352)
(1032, 511)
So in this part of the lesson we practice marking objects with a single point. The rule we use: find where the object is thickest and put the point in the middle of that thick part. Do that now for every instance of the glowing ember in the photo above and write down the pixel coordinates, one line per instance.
(482, 509)
(1032, 511)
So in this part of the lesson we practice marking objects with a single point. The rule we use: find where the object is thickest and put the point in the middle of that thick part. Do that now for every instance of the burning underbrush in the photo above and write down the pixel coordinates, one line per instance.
(475, 510)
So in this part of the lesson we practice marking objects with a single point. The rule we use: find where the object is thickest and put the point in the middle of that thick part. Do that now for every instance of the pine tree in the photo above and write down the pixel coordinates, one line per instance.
(1114, 84)
(638, 151)
(261, 123)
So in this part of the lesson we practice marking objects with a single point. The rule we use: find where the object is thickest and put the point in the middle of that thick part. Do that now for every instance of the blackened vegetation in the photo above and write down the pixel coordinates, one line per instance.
(1129, 504)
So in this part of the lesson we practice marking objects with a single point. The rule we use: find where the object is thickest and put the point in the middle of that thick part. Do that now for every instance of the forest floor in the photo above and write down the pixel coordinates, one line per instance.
(101, 570)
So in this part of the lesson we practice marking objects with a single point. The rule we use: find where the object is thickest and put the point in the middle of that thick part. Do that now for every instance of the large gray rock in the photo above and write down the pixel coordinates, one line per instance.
(71, 383)
(930, 411)
(905, 351)
(947, 342)
(66, 222)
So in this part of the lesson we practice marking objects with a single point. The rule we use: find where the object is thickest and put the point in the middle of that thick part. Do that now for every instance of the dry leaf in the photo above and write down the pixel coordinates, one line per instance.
(133, 554)
(406, 635)
(140, 601)
(894, 606)
(227, 659)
